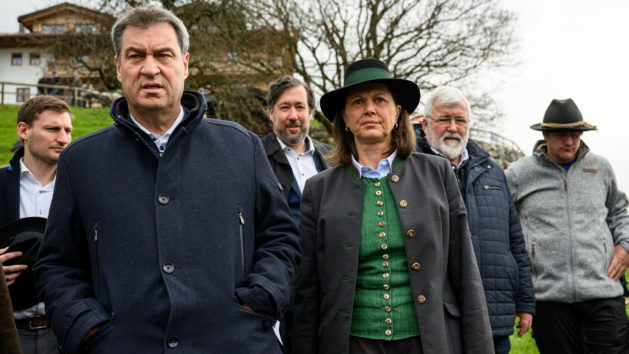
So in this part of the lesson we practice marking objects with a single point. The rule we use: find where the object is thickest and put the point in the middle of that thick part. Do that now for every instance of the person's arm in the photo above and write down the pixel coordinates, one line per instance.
(464, 273)
(9, 342)
(306, 307)
(278, 252)
(525, 296)
(618, 223)
(62, 271)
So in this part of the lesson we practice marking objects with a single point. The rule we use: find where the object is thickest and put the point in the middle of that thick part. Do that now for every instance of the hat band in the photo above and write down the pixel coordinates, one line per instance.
(366, 74)
(568, 125)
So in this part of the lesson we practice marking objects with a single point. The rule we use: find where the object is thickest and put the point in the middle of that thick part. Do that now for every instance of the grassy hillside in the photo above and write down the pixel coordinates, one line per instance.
(86, 120)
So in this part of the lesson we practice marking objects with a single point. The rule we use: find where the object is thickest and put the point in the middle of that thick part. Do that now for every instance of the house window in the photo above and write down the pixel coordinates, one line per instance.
(91, 28)
(47, 29)
(59, 29)
(22, 94)
(34, 59)
(16, 59)
(79, 28)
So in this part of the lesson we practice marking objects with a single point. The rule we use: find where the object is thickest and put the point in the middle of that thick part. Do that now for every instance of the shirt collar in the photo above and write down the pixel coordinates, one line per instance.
(309, 145)
(27, 174)
(168, 132)
(385, 166)
(464, 156)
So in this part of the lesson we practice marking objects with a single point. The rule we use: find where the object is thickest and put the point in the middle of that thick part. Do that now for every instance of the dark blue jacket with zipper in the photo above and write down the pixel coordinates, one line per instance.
(162, 250)
(497, 239)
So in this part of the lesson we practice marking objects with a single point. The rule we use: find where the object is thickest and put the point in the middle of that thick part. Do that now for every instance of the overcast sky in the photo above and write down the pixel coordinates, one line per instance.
(574, 49)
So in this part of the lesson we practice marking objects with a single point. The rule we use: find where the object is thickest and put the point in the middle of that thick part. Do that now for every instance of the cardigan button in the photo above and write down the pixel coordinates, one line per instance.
(386, 287)
(386, 296)
(410, 233)
(388, 332)
(388, 320)
(421, 299)
(382, 235)
(416, 266)
(387, 308)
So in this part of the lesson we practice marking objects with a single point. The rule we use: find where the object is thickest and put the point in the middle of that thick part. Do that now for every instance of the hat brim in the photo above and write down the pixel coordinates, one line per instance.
(407, 92)
(581, 128)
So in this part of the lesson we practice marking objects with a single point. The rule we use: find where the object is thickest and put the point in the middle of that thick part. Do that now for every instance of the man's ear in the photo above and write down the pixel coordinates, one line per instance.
(271, 118)
(118, 68)
(22, 127)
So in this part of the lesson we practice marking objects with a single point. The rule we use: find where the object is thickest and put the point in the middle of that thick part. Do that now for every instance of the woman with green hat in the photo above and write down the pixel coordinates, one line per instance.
(388, 264)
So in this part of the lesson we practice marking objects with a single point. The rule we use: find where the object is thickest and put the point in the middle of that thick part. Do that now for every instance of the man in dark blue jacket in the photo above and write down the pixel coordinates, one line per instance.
(492, 218)
(167, 231)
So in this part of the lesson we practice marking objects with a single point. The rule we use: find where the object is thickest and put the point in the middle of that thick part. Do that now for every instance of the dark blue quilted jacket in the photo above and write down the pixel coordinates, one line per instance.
(497, 239)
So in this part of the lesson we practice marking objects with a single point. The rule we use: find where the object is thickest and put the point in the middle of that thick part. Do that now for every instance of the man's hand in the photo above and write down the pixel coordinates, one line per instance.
(526, 321)
(11, 272)
(619, 263)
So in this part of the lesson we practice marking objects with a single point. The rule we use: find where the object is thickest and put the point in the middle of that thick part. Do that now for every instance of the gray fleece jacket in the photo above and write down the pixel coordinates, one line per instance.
(571, 222)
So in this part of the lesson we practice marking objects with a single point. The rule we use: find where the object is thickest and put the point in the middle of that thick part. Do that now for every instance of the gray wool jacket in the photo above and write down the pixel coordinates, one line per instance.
(571, 220)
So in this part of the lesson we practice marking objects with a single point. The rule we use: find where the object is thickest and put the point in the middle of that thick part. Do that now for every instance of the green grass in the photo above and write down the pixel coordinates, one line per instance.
(85, 121)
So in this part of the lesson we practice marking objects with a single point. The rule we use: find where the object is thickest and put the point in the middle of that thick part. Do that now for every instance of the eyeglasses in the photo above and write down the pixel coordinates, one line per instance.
(458, 121)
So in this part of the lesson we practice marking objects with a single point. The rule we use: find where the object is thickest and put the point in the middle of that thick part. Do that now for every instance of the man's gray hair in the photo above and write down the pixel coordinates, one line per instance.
(145, 17)
(447, 96)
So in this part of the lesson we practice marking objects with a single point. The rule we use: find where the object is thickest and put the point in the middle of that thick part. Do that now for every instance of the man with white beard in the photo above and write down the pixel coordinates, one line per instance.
(492, 217)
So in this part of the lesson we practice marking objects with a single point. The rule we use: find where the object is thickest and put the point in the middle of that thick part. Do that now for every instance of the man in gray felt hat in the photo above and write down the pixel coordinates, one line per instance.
(576, 228)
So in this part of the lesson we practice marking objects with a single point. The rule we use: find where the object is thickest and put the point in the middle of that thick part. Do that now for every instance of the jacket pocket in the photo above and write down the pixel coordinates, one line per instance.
(97, 281)
(488, 187)
(241, 227)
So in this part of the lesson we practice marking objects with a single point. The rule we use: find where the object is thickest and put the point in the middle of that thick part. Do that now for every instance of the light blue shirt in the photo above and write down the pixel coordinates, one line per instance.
(385, 166)
(160, 140)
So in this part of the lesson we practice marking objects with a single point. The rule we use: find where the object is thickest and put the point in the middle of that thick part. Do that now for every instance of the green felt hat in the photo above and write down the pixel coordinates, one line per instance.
(364, 71)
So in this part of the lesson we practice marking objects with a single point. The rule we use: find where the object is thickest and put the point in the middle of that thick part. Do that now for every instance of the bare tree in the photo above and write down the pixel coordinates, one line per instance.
(432, 42)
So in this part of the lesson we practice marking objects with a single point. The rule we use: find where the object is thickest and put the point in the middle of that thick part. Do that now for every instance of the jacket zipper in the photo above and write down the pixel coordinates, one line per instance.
(242, 244)
(570, 234)
(97, 262)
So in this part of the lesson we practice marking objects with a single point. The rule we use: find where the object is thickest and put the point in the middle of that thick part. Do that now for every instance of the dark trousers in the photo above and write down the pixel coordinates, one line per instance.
(359, 345)
(595, 326)
(38, 341)
(502, 345)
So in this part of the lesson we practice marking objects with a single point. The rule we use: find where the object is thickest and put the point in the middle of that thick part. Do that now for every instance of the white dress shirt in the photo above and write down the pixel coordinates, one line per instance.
(303, 164)
(160, 140)
(34, 201)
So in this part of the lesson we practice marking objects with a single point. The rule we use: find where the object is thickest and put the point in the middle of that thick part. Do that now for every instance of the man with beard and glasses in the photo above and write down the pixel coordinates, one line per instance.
(492, 217)
(293, 155)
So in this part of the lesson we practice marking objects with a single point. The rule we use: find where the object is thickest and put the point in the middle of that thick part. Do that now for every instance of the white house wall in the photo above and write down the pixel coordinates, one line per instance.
(25, 73)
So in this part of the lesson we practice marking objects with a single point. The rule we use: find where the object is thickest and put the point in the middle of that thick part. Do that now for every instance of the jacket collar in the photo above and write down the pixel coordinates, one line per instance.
(14, 165)
(193, 102)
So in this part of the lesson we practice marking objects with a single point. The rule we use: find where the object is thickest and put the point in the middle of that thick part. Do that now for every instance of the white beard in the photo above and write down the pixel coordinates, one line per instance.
(452, 149)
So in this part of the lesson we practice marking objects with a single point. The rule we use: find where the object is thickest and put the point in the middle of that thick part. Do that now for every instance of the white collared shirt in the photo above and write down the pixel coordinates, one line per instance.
(160, 140)
(303, 164)
(34, 198)
(34, 201)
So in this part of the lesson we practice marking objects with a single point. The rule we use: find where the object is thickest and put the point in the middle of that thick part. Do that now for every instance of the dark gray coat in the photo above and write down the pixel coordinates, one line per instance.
(453, 319)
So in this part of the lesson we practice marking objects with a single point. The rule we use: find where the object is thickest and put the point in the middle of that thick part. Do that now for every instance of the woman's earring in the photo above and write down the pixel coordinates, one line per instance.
(347, 130)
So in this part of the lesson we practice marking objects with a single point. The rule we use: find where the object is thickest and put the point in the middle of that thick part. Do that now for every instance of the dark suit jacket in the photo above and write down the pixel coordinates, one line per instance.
(450, 302)
(279, 162)
(10, 189)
